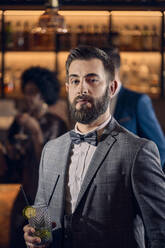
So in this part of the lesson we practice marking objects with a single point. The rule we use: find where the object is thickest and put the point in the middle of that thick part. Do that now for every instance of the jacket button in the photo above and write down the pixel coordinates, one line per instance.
(81, 219)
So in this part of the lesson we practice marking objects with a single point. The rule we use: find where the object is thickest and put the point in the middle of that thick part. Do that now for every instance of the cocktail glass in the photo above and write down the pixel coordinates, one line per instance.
(40, 220)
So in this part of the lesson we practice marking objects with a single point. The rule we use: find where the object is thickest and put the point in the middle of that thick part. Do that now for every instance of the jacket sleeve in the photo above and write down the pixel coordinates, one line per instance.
(148, 125)
(148, 181)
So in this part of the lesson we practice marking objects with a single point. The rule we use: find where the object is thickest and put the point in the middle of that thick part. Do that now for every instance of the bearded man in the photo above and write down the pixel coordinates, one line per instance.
(103, 185)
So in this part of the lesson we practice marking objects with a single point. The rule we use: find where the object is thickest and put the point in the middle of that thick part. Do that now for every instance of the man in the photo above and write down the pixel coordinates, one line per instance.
(134, 110)
(106, 193)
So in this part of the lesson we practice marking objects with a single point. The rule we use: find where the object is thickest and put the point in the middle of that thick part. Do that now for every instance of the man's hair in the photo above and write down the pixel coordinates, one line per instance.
(113, 53)
(45, 80)
(88, 53)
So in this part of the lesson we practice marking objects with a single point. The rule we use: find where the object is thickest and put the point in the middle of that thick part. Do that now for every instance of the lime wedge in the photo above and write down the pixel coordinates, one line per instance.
(44, 234)
(29, 212)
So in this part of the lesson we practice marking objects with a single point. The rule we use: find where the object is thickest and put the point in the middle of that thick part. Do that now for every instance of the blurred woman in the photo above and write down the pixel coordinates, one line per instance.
(31, 129)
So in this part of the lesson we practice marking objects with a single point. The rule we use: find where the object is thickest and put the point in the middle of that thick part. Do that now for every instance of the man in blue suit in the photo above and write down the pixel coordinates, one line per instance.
(135, 112)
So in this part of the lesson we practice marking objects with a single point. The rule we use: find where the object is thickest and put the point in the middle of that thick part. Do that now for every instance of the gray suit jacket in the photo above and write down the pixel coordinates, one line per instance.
(122, 195)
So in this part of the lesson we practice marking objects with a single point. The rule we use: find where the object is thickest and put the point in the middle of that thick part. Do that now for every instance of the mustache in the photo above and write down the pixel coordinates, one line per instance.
(83, 98)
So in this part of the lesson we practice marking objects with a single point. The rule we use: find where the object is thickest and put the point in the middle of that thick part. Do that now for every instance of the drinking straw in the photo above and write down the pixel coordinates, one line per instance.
(25, 197)
(53, 191)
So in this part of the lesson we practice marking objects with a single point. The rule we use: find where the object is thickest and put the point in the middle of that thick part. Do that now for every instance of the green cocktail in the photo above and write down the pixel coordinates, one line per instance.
(40, 220)
(44, 234)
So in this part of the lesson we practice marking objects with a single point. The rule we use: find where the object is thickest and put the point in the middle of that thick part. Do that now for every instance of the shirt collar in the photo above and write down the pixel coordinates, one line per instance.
(99, 129)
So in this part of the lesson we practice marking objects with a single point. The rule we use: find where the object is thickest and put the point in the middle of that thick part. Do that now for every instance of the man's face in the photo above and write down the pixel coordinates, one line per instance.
(88, 90)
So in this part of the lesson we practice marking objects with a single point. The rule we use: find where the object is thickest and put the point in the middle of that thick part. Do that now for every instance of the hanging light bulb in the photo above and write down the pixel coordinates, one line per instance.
(51, 19)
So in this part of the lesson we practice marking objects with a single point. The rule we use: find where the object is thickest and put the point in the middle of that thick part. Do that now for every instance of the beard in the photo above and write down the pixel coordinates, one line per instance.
(87, 115)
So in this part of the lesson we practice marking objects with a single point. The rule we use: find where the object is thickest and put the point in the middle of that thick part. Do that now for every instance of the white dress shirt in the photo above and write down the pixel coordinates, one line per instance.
(80, 158)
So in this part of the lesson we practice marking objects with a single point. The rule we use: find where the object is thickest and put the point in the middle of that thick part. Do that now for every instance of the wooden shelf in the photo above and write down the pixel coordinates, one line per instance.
(88, 6)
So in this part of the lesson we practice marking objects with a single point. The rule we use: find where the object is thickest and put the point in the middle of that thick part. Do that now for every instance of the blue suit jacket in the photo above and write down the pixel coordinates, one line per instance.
(135, 112)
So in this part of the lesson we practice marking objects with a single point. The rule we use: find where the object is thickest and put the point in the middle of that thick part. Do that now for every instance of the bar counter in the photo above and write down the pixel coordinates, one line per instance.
(8, 193)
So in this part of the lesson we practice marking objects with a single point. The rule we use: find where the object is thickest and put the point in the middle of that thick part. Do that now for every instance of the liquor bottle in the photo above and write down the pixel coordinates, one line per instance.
(9, 39)
(36, 38)
(114, 37)
(126, 38)
(103, 37)
(73, 40)
(26, 35)
(18, 36)
(143, 72)
(136, 38)
(81, 35)
(96, 36)
(47, 39)
(154, 83)
(134, 74)
(144, 78)
(16, 78)
(146, 39)
(64, 40)
(155, 39)
(125, 72)
(121, 37)
(8, 81)
(90, 36)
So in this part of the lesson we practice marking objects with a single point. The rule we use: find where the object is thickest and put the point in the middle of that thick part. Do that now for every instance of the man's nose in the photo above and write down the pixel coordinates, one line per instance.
(83, 87)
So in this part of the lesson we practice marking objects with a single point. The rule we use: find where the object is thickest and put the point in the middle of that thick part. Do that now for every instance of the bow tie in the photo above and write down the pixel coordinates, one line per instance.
(77, 138)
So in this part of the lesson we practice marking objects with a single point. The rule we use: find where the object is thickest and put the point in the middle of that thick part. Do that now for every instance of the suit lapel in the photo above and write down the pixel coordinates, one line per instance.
(61, 155)
(106, 143)
(58, 171)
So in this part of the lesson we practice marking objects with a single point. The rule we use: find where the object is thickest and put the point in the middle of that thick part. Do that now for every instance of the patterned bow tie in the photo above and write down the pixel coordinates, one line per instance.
(77, 138)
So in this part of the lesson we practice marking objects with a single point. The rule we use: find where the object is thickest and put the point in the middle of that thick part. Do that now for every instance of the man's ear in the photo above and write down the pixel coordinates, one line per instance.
(113, 87)
(67, 87)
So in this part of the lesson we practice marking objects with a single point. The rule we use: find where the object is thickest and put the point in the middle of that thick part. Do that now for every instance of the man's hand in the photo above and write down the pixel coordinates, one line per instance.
(31, 241)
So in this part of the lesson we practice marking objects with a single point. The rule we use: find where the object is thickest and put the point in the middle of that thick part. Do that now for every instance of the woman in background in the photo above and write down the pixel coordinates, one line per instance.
(31, 129)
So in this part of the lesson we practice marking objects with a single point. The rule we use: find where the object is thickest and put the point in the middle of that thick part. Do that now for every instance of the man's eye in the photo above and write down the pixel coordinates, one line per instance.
(92, 80)
(76, 81)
